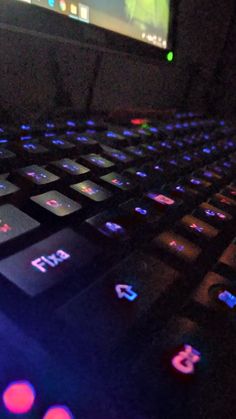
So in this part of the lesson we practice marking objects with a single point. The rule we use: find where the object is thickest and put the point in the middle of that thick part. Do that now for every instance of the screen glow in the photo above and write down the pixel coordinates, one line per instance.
(144, 20)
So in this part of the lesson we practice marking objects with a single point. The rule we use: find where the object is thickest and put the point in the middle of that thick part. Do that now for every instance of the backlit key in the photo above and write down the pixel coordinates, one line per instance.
(96, 160)
(198, 227)
(178, 246)
(7, 188)
(38, 175)
(71, 167)
(118, 181)
(60, 257)
(92, 191)
(14, 223)
(213, 215)
(56, 203)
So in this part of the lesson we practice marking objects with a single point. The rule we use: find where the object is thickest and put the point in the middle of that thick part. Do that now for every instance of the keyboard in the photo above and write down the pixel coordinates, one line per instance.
(117, 268)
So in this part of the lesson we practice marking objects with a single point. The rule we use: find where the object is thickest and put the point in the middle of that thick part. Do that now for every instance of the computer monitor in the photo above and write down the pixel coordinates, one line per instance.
(141, 27)
(144, 20)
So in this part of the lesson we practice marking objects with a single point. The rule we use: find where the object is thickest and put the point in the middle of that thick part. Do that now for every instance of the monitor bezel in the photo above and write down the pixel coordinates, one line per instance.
(18, 15)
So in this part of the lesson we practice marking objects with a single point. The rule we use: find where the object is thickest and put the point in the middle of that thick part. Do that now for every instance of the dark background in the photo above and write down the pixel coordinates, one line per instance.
(37, 73)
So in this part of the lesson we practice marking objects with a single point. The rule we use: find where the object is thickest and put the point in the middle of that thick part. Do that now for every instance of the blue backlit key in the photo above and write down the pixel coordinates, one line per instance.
(96, 161)
(33, 148)
(117, 155)
(110, 225)
(213, 215)
(71, 167)
(7, 188)
(61, 144)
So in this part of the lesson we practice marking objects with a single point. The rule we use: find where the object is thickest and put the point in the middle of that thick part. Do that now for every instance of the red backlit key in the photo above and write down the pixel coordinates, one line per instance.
(164, 202)
(198, 227)
(178, 246)
(92, 191)
(56, 203)
(119, 181)
(14, 223)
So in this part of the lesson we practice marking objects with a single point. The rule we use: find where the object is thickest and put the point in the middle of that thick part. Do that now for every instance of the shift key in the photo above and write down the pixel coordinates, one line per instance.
(60, 257)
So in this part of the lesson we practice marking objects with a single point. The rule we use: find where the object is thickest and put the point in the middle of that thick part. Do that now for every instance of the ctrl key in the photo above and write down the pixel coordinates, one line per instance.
(60, 257)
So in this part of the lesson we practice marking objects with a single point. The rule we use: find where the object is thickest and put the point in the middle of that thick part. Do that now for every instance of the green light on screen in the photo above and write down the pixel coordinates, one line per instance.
(170, 56)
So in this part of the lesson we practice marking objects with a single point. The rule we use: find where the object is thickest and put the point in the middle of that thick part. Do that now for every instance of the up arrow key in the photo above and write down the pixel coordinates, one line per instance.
(125, 291)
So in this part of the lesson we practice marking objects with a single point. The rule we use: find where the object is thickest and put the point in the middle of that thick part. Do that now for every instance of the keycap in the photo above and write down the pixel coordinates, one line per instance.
(131, 134)
(209, 290)
(110, 224)
(140, 175)
(213, 215)
(199, 184)
(14, 223)
(114, 139)
(117, 155)
(6, 154)
(185, 193)
(230, 191)
(210, 175)
(7, 188)
(224, 202)
(56, 203)
(116, 302)
(92, 191)
(118, 181)
(33, 148)
(60, 257)
(229, 256)
(198, 227)
(136, 151)
(71, 167)
(85, 142)
(38, 175)
(178, 246)
(164, 202)
(167, 365)
(97, 161)
(61, 144)
(143, 212)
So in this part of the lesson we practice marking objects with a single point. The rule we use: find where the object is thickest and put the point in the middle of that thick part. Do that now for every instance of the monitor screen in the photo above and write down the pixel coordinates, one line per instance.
(144, 20)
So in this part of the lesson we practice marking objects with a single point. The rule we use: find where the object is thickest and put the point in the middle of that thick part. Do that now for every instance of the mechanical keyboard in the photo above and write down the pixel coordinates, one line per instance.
(118, 268)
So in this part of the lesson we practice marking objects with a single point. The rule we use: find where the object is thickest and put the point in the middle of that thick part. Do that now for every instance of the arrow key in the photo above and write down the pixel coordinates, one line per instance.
(103, 314)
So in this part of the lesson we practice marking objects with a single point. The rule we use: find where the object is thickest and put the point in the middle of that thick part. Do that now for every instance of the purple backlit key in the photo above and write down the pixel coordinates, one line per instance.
(58, 258)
